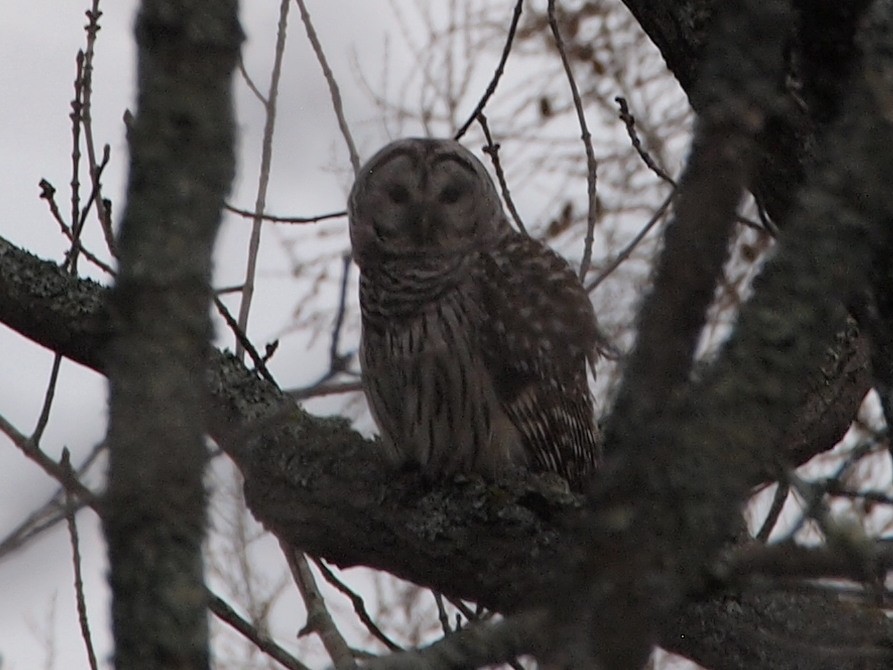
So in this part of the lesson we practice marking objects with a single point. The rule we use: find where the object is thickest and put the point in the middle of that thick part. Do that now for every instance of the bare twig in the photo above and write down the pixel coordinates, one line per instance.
(48, 515)
(442, 615)
(229, 616)
(628, 249)
(474, 646)
(591, 164)
(469, 614)
(319, 620)
(813, 492)
(77, 106)
(768, 223)
(359, 607)
(333, 86)
(48, 193)
(249, 82)
(51, 467)
(44, 417)
(94, 192)
(227, 289)
(321, 389)
(246, 344)
(879, 497)
(284, 219)
(105, 221)
(337, 362)
(492, 150)
(766, 227)
(500, 68)
(264, 178)
(630, 122)
(778, 500)
(70, 509)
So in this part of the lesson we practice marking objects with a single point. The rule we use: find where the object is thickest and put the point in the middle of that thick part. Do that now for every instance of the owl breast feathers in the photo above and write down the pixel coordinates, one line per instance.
(475, 337)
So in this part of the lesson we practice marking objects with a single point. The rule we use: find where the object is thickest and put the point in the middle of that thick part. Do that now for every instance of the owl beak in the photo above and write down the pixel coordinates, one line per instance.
(423, 228)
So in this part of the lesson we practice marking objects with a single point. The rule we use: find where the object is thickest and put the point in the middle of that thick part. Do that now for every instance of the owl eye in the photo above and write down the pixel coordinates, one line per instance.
(398, 194)
(450, 194)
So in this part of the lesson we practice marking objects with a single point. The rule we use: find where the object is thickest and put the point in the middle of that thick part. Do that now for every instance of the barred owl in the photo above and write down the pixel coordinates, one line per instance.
(475, 338)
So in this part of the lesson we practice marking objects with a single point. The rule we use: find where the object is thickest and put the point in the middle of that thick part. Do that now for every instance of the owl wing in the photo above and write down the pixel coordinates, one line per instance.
(537, 332)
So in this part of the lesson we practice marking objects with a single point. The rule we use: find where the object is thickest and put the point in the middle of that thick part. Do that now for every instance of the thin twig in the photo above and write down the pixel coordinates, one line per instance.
(591, 164)
(94, 192)
(51, 467)
(768, 223)
(228, 615)
(45, 518)
(77, 106)
(284, 219)
(759, 227)
(492, 150)
(264, 178)
(319, 390)
(44, 417)
(359, 607)
(500, 68)
(623, 255)
(813, 493)
(105, 221)
(319, 620)
(474, 646)
(836, 489)
(337, 362)
(48, 192)
(333, 87)
(70, 508)
(630, 122)
(778, 500)
(48, 515)
(246, 344)
(442, 615)
(815, 508)
(227, 289)
(250, 82)
(469, 615)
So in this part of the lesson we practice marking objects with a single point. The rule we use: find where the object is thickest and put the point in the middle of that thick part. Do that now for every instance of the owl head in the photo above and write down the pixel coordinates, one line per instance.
(423, 197)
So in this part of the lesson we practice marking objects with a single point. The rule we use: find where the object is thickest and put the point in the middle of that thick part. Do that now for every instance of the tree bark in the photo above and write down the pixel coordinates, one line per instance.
(182, 163)
(317, 484)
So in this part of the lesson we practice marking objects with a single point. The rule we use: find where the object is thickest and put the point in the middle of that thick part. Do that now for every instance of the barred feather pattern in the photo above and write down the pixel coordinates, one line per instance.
(425, 376)
(475, 338)
(537, 339)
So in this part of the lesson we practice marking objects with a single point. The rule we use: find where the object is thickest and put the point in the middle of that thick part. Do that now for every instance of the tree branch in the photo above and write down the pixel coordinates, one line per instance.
(317, 484)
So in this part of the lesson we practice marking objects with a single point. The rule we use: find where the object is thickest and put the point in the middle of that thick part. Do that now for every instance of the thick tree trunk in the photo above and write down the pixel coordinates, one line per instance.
(182, 162)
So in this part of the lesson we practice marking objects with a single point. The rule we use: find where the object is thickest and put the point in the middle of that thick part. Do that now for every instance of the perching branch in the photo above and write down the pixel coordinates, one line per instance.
(317, 484)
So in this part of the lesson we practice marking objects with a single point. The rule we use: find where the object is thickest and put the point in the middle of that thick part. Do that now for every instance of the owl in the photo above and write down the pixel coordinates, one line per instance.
(475, 337)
